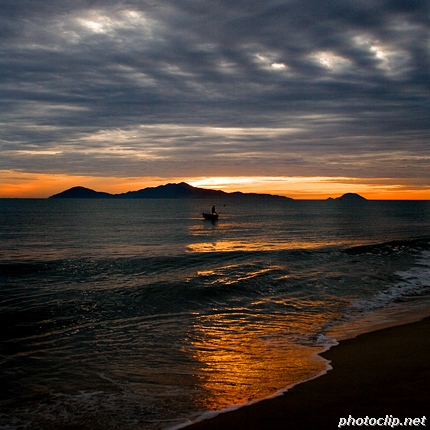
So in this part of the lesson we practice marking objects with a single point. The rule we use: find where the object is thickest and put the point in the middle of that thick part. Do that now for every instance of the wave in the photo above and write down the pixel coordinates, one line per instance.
(411, 284)
(393, 246)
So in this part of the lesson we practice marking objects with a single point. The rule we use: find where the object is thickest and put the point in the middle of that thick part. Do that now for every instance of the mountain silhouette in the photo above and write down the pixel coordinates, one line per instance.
(82, 193)
(351, 197)
(168, 191)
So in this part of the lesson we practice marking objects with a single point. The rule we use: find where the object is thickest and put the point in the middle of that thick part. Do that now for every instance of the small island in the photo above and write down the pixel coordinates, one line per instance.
(349, 197)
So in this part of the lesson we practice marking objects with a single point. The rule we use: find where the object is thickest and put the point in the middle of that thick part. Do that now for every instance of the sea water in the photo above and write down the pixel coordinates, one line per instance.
(138, 314)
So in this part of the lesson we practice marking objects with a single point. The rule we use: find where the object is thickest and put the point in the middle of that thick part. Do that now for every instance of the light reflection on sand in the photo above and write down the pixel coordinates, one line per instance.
(243, 357)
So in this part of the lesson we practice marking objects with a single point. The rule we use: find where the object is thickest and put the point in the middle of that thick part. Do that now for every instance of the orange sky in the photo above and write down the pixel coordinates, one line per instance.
(28, 185)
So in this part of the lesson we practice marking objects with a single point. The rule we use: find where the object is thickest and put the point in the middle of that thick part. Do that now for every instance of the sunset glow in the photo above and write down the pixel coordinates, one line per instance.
(27, 185)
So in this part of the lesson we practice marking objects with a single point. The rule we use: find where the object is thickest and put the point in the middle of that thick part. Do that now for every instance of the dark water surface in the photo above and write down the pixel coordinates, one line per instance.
(137, 314)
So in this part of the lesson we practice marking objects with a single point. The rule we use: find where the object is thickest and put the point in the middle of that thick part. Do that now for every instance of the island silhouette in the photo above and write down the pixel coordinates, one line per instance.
(168, 191)
(179, 191)
(349, 197)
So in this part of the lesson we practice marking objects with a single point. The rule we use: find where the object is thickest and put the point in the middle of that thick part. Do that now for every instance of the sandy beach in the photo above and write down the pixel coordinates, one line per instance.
(378, 378)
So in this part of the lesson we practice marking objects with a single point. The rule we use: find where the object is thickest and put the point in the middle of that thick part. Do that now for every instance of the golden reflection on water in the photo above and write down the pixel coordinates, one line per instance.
(241, 361)
(243, 245)
(244, 354)
(230, 274)
(219, 241)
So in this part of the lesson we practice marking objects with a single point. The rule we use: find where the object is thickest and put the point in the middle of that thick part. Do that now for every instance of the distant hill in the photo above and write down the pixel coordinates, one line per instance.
(168, 191)
(350, 197)
(81, 193)
(171, 191)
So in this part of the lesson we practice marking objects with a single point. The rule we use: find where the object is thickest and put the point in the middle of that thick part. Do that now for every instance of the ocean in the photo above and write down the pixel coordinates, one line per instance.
(138, 314)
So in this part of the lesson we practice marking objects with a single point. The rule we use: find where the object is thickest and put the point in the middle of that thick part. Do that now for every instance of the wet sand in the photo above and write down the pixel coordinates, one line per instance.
(383, 374)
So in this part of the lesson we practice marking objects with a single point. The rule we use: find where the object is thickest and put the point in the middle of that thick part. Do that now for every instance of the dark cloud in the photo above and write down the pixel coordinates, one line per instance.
(337, 87)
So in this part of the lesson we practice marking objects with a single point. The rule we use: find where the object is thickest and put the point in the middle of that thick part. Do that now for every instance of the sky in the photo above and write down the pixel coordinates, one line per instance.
(303, 98)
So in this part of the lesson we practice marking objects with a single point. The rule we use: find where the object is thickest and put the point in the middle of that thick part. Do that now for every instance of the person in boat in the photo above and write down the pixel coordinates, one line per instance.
(213, 210)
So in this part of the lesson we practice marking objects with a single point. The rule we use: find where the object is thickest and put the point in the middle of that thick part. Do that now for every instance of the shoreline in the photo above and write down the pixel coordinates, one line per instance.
(379, 374)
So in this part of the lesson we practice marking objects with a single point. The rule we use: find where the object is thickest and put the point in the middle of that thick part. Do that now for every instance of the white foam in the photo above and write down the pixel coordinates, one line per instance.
(415, 282)
(403, 302)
